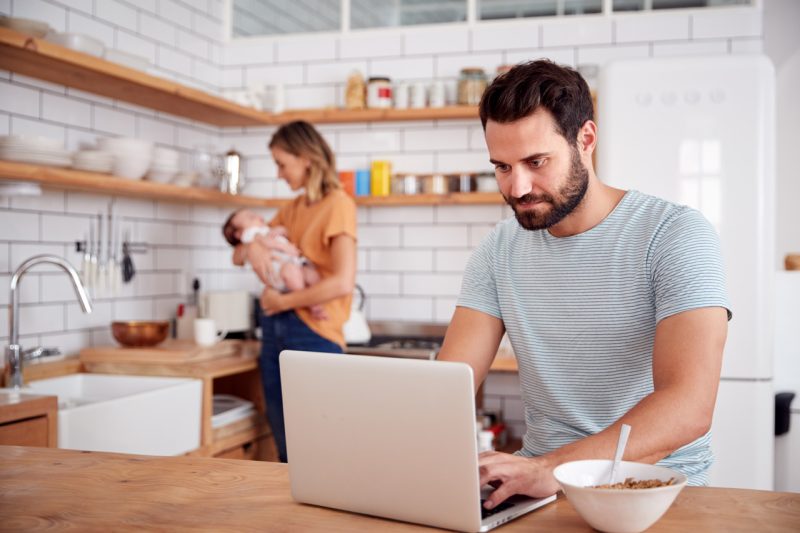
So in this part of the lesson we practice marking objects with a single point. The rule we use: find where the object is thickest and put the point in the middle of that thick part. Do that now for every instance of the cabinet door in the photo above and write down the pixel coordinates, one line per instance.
(29, 432)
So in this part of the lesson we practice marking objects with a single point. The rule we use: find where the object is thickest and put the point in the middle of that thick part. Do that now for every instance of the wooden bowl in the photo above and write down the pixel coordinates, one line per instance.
(138, 333)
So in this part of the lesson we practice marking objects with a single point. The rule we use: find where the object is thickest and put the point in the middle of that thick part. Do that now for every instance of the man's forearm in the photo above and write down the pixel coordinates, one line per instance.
(660, 424)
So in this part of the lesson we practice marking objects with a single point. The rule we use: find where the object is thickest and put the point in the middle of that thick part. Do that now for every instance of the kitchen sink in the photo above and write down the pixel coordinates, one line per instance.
(126, 414)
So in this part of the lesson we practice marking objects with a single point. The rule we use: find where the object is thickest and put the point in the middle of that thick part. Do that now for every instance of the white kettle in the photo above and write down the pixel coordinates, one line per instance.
(356, 329)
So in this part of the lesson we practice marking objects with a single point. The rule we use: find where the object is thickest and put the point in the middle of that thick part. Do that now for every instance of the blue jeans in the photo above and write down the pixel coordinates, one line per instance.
(284, 331)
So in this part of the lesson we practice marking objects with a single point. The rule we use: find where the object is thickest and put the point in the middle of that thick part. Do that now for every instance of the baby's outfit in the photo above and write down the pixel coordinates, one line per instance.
(278, 258)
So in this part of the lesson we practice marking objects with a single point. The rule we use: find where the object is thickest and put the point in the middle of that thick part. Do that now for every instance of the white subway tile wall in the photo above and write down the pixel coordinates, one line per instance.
(410, 259)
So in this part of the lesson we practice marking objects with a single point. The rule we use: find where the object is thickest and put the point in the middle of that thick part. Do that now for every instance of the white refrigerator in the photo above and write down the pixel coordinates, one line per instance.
(700, 131)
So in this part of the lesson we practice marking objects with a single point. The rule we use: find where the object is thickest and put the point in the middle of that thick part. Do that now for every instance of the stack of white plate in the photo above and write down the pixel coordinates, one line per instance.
(164, 166)
(34, 149)
(35, 28)
(131, 156)
(93, 161)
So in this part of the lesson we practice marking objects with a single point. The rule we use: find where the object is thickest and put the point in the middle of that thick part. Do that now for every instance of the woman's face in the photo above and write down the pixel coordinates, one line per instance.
(291, 168)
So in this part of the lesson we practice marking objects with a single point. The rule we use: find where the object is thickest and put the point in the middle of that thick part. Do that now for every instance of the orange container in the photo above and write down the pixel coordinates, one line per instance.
(348, 179)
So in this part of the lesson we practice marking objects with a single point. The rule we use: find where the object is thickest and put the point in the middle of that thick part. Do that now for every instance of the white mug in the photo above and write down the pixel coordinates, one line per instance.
(206, 333)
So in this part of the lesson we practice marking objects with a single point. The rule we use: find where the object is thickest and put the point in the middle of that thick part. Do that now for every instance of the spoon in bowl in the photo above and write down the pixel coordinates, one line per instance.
(624, 431)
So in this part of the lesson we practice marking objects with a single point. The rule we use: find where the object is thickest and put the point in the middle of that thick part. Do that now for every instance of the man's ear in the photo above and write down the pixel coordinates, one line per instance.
(587, 137)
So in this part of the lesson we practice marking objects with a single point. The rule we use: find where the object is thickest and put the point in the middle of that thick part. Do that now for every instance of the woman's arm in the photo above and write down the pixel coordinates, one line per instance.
(339, 283)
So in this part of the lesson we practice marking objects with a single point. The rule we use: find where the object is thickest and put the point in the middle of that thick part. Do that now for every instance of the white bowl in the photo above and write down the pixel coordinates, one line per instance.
(77, 41)
(126, 59)
(618, 510)
(132, 168)
(161, 176)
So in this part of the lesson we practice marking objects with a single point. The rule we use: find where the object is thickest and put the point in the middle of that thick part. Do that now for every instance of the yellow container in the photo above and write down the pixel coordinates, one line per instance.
(381, 178)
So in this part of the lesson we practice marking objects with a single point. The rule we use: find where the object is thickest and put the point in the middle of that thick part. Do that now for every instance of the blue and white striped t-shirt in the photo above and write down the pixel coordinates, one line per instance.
(581, 313)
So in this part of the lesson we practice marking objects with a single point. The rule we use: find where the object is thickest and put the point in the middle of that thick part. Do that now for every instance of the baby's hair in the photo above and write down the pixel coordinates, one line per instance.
(229, 230)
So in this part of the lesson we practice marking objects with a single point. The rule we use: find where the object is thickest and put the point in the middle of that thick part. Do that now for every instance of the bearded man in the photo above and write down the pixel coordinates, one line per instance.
(614, 301)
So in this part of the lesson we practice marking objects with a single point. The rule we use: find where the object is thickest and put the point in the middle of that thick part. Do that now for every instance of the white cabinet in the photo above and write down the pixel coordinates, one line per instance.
(787, 456)
(744, 415)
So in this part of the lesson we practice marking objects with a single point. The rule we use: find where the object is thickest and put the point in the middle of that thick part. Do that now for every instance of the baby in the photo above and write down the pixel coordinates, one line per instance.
(289, 270)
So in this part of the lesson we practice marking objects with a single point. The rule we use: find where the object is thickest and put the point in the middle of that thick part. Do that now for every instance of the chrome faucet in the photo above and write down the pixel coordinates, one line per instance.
(14, 353)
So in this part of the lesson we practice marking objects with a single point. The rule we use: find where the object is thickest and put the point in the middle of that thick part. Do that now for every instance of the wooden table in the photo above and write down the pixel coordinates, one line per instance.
(57, 490)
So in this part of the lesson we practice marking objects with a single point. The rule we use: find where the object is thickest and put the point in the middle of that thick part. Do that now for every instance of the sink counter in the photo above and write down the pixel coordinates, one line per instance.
(134, 493)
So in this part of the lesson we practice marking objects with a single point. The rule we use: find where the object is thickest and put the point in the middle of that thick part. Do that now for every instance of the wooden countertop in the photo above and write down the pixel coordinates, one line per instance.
(89, 491)
(21, 405)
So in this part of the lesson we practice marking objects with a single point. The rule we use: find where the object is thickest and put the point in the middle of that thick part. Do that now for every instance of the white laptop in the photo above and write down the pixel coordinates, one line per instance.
(387, 437)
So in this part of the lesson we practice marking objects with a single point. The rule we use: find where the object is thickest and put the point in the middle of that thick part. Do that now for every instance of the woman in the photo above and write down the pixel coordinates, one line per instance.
(321, 222)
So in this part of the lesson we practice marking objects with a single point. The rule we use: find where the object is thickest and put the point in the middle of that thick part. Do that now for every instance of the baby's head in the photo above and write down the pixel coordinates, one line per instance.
(240, 220)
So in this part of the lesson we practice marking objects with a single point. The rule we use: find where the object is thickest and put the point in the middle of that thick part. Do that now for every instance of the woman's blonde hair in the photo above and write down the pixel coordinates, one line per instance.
(300, 139)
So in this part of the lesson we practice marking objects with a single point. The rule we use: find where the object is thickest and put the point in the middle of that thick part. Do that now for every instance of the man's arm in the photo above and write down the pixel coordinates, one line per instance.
(687, 361)
(472, 337)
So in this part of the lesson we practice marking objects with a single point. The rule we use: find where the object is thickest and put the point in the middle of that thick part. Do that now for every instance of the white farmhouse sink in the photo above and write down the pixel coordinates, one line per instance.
(126, 414)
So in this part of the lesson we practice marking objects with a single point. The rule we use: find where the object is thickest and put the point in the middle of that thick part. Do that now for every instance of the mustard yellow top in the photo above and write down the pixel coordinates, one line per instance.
(312, 228)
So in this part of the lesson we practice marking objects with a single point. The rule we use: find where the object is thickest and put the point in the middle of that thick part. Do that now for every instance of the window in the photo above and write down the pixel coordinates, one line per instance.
(647, 5)
(509, 9)
(387, 13)
(274, 17)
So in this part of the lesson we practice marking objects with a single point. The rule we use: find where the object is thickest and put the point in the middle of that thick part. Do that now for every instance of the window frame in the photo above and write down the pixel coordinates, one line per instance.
(471, 22)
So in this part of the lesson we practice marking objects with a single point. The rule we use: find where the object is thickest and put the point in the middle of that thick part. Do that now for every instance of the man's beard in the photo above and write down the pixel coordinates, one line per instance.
(571, 195)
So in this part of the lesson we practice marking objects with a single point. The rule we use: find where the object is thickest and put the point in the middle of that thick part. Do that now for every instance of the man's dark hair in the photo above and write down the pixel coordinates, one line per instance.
(229, 231)
(539, 84)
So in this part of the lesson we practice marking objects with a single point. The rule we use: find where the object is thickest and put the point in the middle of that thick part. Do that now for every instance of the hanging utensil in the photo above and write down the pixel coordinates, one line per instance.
(102, 257)
(91, 271)
(113, 263)
(128, 270)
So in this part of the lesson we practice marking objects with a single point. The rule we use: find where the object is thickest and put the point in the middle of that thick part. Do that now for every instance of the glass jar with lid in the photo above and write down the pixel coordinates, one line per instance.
(471, 83)
(379, 93)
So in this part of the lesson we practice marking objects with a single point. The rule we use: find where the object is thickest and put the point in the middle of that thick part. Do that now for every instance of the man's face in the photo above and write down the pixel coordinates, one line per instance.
(540, 175)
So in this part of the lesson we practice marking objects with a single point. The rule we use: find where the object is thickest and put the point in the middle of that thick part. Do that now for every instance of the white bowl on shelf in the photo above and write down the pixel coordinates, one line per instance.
(162, 174)
(128, 60)
(130, 167)
(78, 42)
(185, 179)
(618, 510)
(34, 28)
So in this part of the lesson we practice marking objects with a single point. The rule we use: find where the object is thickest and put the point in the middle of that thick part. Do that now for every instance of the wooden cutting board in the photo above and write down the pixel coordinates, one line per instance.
(170, 351)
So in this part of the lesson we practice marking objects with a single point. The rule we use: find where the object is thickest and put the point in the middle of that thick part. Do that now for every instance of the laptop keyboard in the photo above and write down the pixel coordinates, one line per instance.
(486, 513)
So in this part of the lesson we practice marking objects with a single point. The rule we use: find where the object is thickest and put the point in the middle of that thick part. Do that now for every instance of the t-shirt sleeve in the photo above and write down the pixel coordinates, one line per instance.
(686, 266)
(478, 287)
(341, 219)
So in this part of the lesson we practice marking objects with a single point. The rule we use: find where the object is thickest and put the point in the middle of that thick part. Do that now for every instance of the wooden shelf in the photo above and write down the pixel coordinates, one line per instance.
(92, 182)
(41, 59)
(454, 198)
